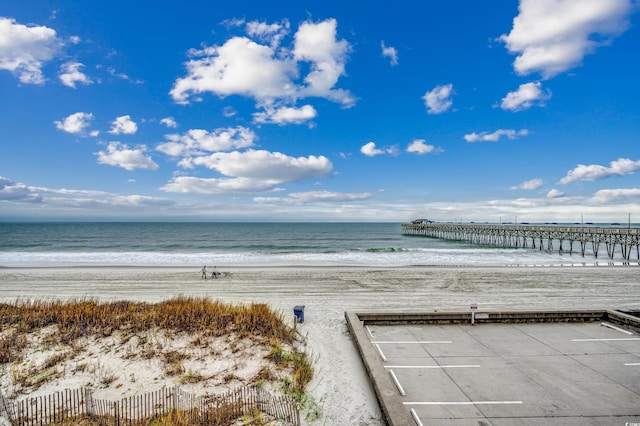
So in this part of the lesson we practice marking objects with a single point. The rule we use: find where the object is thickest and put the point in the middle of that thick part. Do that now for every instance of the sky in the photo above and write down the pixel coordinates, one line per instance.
(320, 111)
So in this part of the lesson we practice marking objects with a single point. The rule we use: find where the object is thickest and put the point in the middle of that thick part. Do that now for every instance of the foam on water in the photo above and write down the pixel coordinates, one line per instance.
(268, 244)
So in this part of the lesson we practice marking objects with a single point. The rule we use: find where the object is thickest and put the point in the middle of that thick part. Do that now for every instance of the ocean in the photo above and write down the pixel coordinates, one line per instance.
(251, 244)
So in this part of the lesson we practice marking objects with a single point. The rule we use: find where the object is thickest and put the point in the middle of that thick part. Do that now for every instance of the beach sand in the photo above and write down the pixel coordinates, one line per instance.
(340, 387)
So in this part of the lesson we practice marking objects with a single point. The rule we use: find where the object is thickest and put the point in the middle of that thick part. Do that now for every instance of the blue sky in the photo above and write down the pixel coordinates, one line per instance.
(320, 111)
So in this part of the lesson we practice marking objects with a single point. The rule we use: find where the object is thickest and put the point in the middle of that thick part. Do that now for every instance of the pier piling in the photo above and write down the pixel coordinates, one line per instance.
(535, 236)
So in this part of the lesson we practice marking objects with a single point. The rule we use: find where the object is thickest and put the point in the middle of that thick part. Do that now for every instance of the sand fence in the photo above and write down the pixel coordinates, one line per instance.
(139, 409)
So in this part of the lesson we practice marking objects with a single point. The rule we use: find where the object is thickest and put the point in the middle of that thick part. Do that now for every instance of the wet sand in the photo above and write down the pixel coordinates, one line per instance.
(340, 387)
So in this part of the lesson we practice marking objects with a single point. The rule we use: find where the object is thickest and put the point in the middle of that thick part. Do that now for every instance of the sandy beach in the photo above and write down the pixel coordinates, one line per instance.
(340, 387)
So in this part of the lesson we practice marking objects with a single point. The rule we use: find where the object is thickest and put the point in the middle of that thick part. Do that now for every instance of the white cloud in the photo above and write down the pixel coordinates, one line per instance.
(552, 36)
(14, 191)
(530, 184)
(75, 123)
(195, 185)
(196, 142)
(439, 100)
(318, 44)
(70, 74)
(265, 165)
(170, 122)
(619, 167)
(270, 33)
(299, 198)
(238, 67)
(120, 155)
(63, 201)
(495, 136)
(286, 115)
(242, 66)
(419, 146)
(527, 95)
(554, 193)
(25, 49)
(370, 150)
(250, 171)
(389, 52)
(605, 196)
(229, 111)
(123, 125)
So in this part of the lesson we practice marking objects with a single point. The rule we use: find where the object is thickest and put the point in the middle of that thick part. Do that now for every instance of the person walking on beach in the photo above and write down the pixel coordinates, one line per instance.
(204, 272)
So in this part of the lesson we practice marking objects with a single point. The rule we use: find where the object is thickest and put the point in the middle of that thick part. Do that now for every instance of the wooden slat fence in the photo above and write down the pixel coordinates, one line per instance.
(216, 410)
(6, 407)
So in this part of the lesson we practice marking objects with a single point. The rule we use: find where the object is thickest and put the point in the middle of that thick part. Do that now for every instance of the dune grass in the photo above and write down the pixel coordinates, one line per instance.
(68, 323)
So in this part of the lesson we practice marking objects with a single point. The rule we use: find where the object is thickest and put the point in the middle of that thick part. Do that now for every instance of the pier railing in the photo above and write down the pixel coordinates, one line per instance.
(547, 237)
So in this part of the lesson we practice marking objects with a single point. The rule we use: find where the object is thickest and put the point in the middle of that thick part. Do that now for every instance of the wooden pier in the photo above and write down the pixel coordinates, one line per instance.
(547, 237)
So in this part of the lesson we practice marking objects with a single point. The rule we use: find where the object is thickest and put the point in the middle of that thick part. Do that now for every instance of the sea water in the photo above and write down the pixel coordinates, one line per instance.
(252, 244)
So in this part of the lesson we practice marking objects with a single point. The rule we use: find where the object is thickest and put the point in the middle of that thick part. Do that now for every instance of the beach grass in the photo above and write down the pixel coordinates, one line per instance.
(59, 334)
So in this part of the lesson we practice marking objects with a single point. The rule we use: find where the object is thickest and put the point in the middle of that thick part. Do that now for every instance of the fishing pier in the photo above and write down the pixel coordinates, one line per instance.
(585, 239)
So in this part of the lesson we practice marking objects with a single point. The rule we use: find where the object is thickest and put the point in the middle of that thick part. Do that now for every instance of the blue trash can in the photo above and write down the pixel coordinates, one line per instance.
(298, 311)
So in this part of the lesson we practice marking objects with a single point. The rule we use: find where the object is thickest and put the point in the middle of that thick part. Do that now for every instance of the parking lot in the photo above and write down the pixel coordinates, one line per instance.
(505, 374)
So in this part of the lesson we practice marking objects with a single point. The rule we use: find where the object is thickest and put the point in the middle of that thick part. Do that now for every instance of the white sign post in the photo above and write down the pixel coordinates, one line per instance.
(473, 308)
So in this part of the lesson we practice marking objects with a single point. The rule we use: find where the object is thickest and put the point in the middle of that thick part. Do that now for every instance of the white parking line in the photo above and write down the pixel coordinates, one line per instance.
(461, 402)
(415, 417)
(606, 324)
(632, 364)
(408, 342)
(397, 382)
(366, 327)
(434, 366)
(606, 340)
(384, 358)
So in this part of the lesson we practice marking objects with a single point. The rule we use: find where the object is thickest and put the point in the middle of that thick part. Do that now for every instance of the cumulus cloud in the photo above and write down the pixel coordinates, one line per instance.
(75, 123)
(370, 150)
(389, 52)
(619, 167)
(552, 36)
(270, 33)
(527, 95)
(439, 100)
(286, 115)
(238, 67)
(25, 49)
(243, 66)
(120, 155)
(495, 136)
(123, 125)
(605, 196)
(170, 122)
(419, 146)
(265, 165)
(299, 198)
(197, 142)
(250, 171)
(317, 44)
(530, 184)
(554, 193)
(70, 74)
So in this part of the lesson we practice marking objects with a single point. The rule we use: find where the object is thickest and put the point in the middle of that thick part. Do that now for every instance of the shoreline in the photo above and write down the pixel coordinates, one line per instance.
(576, 264)
(340, 386)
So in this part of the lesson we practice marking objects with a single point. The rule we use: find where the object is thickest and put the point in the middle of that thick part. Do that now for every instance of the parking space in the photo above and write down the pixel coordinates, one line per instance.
(505, 374)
